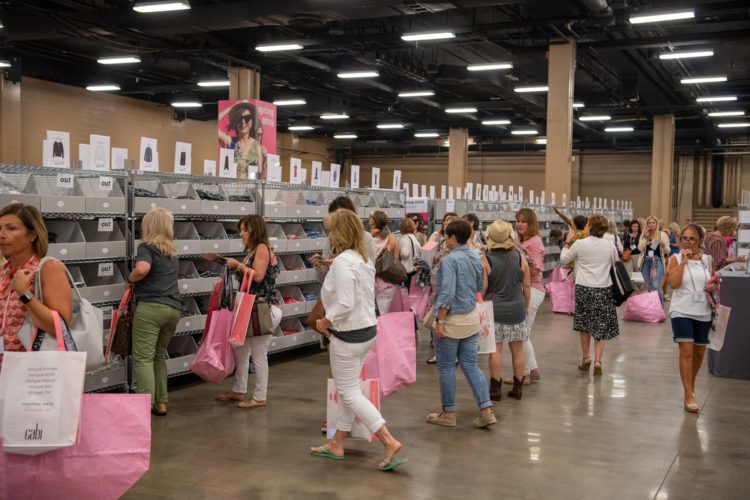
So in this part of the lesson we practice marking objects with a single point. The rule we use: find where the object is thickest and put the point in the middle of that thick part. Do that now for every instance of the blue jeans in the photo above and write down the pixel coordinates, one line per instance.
(655, 283)
(447, 350)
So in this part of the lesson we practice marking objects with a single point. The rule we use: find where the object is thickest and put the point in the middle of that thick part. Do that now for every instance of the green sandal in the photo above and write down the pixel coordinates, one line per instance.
(320, 451)
(393, 463)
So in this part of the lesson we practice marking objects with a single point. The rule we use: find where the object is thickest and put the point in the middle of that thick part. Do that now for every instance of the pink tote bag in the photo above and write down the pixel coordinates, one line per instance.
(243, 308)
(215, 358)
(562, 294)
(393, 358)
(645, 307)
(559, 274)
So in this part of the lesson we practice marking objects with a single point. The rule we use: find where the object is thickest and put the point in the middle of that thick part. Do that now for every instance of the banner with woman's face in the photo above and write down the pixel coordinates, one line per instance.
(248, 127)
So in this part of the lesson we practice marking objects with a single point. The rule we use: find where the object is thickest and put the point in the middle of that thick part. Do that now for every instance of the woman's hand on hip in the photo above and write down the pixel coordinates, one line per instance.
(323, 326)
(22, 281)
(439, 330)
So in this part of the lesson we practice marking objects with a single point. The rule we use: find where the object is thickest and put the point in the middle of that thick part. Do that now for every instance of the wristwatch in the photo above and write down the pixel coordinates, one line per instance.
(26, 297)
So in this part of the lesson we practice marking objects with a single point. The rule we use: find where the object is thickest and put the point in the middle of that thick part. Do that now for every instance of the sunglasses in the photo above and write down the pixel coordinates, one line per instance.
(246, 118)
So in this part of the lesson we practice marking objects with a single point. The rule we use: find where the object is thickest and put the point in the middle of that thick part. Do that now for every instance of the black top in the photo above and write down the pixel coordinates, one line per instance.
(160, 284)
(631, 243)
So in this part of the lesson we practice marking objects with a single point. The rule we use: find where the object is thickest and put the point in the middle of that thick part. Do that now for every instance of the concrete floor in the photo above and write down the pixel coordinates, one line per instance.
(624, 435)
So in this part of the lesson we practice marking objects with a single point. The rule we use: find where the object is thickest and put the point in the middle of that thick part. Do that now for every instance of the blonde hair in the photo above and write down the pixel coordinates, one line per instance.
(726, 224)
(157, 230)
(350, 234)
(675, 228)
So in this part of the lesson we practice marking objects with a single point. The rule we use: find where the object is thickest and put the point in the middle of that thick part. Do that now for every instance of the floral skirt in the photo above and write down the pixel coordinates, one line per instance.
(512, 333)
(596, 313)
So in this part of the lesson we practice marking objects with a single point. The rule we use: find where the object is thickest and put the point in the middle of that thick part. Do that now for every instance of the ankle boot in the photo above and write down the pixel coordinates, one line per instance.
(517, 391)
(496, 389)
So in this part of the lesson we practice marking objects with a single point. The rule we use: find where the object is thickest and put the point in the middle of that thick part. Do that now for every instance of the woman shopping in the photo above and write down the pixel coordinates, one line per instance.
(158, 305)
(348, 297)
(654, 248)
(384, 242)
(456, 327)
(595, 314)
(688, 273)
(409, 248)
(23, 243)
(265, 268)
(440, 252)
(630, 242)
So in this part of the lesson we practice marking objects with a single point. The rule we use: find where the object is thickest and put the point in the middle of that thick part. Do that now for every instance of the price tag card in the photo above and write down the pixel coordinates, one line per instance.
(375, 178)
(396, 179)
(106, 224)
(65, 180)
(106, 269)
(105, 183)
(432, 192)
(355, 177)
(450, 205)
(443, 192)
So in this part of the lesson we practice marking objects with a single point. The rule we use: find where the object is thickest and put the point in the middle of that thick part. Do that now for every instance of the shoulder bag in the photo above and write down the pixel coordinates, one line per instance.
(389, 268)
(622, 287)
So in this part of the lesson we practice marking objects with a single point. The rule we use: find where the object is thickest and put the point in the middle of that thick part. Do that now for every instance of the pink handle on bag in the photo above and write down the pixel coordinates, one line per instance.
(58, 332)
(247, 280)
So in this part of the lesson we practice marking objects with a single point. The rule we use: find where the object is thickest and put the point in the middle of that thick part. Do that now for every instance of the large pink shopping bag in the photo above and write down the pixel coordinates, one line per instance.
(562, 294)
(419, 298)
(371, 390)
(3, 491)
(400, 301)
(243, 308)
(645, 307)
(214, 360)
(393, 358)
(559, 274)
(112, 453)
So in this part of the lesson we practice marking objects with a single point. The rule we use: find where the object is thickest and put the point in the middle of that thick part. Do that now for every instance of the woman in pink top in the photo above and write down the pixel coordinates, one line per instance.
(533, 247)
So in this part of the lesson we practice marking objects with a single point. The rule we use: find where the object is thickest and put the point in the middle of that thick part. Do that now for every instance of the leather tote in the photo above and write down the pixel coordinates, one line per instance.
(389, 268)
(622, 287)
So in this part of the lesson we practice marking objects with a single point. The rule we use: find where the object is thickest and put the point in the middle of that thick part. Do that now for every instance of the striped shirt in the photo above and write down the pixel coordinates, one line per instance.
(534, 248)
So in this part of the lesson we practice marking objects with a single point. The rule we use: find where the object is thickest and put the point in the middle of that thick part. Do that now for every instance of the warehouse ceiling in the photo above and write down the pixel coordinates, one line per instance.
(619, 72)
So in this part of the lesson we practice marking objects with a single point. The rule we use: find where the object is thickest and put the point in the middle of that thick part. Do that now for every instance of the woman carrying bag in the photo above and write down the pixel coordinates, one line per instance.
(262, 261)
(654, 248)
(384, 242)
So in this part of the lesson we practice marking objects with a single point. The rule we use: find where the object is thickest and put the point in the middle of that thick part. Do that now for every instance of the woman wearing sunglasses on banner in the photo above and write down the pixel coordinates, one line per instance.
(246, 141)
(688, 273)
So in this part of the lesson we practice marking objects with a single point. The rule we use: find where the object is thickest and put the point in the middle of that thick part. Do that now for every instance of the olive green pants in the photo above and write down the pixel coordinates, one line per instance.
(153, 328)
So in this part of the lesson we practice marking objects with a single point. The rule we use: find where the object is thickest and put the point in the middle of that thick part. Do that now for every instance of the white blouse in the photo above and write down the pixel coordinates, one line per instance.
(593, 258)
(348, 292)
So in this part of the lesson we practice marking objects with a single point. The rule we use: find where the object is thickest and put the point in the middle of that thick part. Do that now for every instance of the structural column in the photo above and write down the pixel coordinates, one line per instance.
(244, 83)
(10, 121)
(685, 188)
(558, 165)
(458, 157)
(662, 165)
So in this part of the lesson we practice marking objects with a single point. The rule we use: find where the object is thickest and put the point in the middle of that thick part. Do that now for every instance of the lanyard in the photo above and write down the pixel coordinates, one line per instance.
(691, 273)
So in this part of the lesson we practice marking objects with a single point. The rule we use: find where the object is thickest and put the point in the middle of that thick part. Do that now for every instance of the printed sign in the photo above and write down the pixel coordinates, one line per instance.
(354, 180)
(375, 178)
(106, 269)
(335, 178)
(106, 225)
(317, 178)
(295, 175)
(65, 181)
(105, 183)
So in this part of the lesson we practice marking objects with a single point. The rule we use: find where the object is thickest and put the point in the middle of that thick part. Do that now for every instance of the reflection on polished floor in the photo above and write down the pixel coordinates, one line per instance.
(623, 435)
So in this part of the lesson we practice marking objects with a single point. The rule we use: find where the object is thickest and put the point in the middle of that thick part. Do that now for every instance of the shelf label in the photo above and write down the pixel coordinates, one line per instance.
(65, 180)
(106, 269)
(105, 183)
(106, 225)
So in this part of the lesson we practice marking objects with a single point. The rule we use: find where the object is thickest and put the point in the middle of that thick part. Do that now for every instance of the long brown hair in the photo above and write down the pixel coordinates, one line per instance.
(256, 226)
(529, 217)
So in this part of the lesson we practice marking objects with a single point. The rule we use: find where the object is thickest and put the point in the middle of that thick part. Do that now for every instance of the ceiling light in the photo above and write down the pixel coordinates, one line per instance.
(421, 37)
(496, 122)
(542, 141)
(460, 110)
(595, 118)
(532, 88)
(704, 79)
(417, 93)
(524, 132)
(334, 116)
(102, 88)
(723, 98)
(665, 16)
(214, 83)
(358, 74)
(489, 66)
(618, 129)
(289, 102)
(687, 54)
(299, 128)
(4, 63)
(426, 135)
(345, 136)
(578, 105)
(727, 113)
(278, 47)
(186, 104)
(734, 125)
(163, 6)
(119, 60)
(390, 125)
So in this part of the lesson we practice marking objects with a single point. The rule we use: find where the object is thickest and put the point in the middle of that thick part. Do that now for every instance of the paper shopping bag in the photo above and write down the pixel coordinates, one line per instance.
(371, 390)
(719, 328)
(243, 308)
(486, 328)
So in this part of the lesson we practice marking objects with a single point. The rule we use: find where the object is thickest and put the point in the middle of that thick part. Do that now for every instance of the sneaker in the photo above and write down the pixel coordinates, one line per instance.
(442, 419)
(483, 421)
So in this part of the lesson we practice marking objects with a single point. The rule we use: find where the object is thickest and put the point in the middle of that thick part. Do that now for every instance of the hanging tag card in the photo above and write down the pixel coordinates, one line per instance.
(147, 160)
(65, 180)
(105, 183)
(183, 160)
(335, 179)
(209, 168)
(106, 225)
(443, 191)
(432, 192)
(375, 178)
(227, 166)
(354, 177)
(106, 269)
(295, 175)
(317, 178)
(396, 179)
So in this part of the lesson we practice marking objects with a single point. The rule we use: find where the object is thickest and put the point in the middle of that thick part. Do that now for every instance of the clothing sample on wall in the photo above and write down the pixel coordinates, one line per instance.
(99, 155)
(58, 151)
(226, 164)
(148, 155)
(183, 158)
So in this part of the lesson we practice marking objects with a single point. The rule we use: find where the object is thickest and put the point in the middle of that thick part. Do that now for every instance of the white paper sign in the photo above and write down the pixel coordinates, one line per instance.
(227, 166)
(486, 192)
(59, 148)
(147, 160)
(303, 176)
(565, 200)
(424, 191)
(273, 163)
(99, 152)
(183, 159)
(46, 153)
(531, 196)
(119, 158)
(432, 192)
(443, 191)
(65, 180)
(336, 175)
(459, 193)
(105, 183)
(354, 180)
(450, 193)
(316, 179)
(553, 201)
(106, 225)
(406, 189)
(450, 205)
(84, 156)
(325, 178)
(478, 193)
(375, 178)
(295, 165)
(469, 190)
(209, 168)
(106, 269)
(542, 199)
(396, 179)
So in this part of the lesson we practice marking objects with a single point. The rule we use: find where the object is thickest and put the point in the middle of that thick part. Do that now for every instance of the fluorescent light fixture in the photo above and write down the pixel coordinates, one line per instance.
(119, 60)
(4, 63)
(165, 6)
(524, 132)
(704, 79)
(665, 16)
(390, 125)
(618, 129)
(489, 66)
(278, 47)
(345, 136)
(334, 116)
(578, 105)
(718, 98)
(496, 122)
(531, 88)
(417, 93)
(595, 118)
(103, 87)
(727, 113)
(186, 104)
(214, 83)
(433, 35)
(290, 102)
(426, 135)
(358, 74)
(542, 141)
(734, 125)
(300, 128)
(686, 54)
(461, 110)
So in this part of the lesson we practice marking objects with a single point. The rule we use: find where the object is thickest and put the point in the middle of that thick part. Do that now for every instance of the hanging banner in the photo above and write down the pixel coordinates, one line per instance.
(317, 169)
(99, 151)
(248, 128)
(183, 159)
(147, 159)
(335, 177)
(59, 149)
(354, 181)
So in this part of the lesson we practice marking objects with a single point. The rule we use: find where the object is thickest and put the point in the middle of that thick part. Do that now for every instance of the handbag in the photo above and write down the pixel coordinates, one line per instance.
(393, 357)
(318, 312)
(121, 327)
(645, 307)
(622, 287)
(86, 327)
(261, 320)
(389, 268)
(243, 306)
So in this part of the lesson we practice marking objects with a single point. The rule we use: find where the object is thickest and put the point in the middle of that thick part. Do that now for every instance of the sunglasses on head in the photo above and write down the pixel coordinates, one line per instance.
(246, 118)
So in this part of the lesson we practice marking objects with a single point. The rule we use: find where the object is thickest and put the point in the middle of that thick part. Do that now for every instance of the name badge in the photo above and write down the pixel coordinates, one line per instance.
(633, 247)
(699, 297)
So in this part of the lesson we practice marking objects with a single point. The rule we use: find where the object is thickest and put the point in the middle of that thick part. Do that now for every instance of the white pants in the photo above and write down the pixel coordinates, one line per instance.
(384, 295)
(537, 297)
(258, 347)
(347, 360)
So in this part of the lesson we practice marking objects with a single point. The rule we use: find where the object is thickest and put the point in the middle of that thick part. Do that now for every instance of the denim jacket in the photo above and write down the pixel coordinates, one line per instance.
(460, 277)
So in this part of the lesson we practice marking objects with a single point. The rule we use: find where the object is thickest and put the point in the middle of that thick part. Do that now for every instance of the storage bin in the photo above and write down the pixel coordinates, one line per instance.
(103, 244)
(234, 241)
(186, 239)
(98, 200)
(213, 200)
(277, 238)
(293, 302)
(182, 198)
(213, 237)
(194, 276)
(296, 238)
(69, 242)
(291, 326)
(316, 235)
(18, 188)
(311, 274)
(109, 377)
(181, 353)
(241, 199)
(311, 293)
(55, 199)
(153, 187)
(192, 319)
(292, 269)
(101, 288)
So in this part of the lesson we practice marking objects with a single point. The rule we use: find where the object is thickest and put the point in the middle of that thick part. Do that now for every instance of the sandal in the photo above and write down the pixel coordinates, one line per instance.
(322, 451)
(229, 396)
(585, 364)
(597, 369)
(155, 410)
(692, 407)
(432, 360)
(251, 403)
(392, 463)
